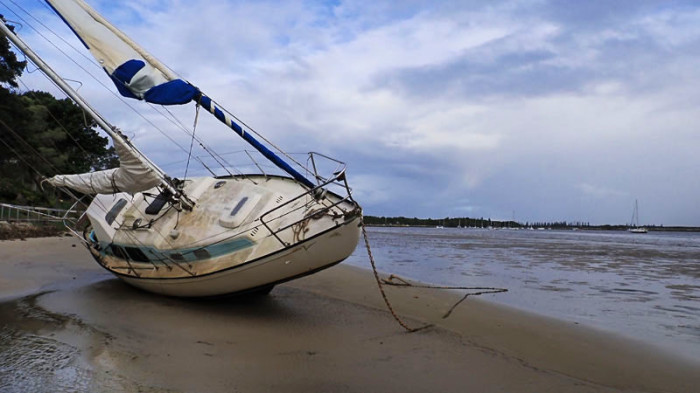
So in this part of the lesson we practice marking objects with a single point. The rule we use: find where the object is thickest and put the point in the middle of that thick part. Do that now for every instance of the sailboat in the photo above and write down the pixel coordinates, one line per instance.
(200, 236)
(634, 225)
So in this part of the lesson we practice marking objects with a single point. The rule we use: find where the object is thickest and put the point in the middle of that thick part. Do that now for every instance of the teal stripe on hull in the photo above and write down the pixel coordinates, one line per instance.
(193, 254)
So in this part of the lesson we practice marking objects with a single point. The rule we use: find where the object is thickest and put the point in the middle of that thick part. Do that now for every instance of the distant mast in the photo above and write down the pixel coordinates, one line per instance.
(634, 225)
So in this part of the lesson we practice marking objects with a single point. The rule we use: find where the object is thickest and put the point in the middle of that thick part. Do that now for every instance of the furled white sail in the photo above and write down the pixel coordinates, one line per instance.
(132, 176)
(133, 70)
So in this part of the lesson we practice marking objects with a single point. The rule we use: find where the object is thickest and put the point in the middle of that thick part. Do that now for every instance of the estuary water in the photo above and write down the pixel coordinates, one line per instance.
(643, 286)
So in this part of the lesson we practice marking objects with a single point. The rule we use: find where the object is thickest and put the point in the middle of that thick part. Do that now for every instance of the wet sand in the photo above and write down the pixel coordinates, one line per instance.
(66, 325)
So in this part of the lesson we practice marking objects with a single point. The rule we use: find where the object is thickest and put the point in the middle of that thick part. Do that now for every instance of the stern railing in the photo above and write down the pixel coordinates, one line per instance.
(337, 184)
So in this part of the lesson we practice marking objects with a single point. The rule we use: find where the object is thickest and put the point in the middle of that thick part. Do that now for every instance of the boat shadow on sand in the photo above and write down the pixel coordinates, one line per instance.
(112, 296)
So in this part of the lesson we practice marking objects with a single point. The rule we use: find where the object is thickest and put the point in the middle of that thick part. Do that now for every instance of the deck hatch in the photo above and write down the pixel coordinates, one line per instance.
(115, 210)
(233, 217)
(238, 206)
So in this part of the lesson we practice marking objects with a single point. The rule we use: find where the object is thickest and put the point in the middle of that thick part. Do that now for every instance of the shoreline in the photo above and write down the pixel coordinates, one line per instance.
(601, 228)
(328, 331)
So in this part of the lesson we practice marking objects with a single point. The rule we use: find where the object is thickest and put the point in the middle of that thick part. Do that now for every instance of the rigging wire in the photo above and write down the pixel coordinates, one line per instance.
(217, 157)
(69, 134)
(30, 148)
(98, 80)
(212, 153)
(173, 119)
(19, 156)
(65, 190)
(259, 135)
(194, 129)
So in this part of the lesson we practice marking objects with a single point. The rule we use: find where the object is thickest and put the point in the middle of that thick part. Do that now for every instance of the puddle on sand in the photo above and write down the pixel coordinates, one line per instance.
(32, 362)
(36, 357)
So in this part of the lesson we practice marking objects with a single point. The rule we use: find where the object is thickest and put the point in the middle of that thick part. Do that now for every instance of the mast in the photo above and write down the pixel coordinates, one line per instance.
(635, 214)
(111, 130)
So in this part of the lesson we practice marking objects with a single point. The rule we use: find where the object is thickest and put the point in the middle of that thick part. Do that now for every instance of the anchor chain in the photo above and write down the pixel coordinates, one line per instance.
(395, 280)
(381, 289)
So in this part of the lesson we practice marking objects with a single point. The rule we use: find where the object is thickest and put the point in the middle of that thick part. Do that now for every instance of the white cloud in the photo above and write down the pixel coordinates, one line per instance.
(503, 96)
(599, 192)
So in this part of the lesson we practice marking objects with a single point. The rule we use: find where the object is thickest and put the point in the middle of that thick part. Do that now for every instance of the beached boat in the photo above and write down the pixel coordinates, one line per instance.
(634, 224)
(200, 236)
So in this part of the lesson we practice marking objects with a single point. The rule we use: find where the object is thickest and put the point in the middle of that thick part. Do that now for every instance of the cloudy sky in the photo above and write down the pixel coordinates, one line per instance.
(533, 109)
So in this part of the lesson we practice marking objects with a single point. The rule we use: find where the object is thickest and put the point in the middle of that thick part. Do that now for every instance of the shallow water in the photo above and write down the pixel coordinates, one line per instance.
(31, 361)
(645, 286)
(46, 352)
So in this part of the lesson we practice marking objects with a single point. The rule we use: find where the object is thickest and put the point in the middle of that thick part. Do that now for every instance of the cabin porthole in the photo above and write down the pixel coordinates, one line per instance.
(219, 184)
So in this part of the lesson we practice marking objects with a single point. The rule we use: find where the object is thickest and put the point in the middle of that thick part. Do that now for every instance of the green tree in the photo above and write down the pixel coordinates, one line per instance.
(12, 116)
(10, 67)
(67, 136)
(42, 136)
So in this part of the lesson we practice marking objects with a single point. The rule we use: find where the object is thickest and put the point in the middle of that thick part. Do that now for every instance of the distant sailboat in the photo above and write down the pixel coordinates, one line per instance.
(634, 225)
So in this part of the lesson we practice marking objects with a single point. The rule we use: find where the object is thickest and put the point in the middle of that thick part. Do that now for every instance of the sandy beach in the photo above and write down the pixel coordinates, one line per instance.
(66, 325)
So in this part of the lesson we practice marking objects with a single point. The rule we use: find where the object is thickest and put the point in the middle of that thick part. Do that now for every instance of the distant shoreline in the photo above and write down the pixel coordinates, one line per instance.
(615, 228)
(21, 230)
(487, 223)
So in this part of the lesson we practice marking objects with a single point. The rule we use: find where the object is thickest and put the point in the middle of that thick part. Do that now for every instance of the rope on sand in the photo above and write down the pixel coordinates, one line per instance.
(395, 280)
(381, 288)
(400, 282)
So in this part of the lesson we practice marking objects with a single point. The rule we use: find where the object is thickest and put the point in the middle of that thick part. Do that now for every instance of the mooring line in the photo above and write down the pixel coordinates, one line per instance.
(403, 283)
(395, 280)
(381, 289)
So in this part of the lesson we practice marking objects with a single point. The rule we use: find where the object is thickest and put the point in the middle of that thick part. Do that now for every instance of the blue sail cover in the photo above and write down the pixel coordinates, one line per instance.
(135, 73)
(132, 82)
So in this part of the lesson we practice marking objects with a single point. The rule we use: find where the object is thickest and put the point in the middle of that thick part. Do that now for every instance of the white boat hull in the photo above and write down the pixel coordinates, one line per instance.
(240, 236)
(310, 256)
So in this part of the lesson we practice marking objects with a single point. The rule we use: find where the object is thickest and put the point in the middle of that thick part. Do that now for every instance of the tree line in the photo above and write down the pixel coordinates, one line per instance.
(41, 136)
(468, 222)
(448, 222)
